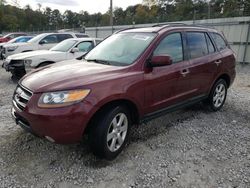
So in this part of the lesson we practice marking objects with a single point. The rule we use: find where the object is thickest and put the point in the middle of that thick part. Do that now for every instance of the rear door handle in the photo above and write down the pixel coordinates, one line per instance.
(217, 62)
(184, 72)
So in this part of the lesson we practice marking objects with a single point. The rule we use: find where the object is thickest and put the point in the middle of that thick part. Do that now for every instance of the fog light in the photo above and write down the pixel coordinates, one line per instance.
(50, 139)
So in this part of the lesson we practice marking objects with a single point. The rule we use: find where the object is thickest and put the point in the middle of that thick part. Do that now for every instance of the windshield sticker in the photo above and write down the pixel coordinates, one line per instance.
(141, 37)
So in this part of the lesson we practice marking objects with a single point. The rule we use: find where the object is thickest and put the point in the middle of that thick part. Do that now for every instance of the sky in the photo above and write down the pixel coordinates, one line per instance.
(91, 6)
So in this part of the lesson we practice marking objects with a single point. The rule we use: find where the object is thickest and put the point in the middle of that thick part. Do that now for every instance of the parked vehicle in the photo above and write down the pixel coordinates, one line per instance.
(19, 64)
(40, 42)
(10, 36)
(15, 40)
(131, 77)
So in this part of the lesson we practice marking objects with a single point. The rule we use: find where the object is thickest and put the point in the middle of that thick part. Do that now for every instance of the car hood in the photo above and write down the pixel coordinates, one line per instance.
(17, 44)
(2, 39)
(68, 75)
(32, 54)
(3, 43)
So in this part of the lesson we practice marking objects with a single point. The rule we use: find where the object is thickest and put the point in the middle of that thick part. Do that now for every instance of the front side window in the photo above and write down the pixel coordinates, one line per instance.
(121, 49)
(219, 41)
(85, 46)
(50, 39)
(171, 45)
(197, 44)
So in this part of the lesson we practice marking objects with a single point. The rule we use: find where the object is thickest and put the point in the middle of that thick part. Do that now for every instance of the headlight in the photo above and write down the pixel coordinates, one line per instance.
(12, 48)
(27, 62)
(62, 98)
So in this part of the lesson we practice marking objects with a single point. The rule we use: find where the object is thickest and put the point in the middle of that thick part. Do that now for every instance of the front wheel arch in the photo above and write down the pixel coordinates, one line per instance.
(107, 106)
(45, 63)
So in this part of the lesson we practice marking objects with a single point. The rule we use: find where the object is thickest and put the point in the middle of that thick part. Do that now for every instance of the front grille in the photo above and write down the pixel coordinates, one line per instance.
(16, 62)
(21, 97)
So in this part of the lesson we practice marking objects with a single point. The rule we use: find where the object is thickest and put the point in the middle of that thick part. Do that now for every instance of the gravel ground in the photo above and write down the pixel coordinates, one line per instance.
(188, 148)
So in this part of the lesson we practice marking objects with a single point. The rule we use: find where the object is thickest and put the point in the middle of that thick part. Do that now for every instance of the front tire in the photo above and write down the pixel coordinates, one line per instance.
(218, 95)
(110, 132)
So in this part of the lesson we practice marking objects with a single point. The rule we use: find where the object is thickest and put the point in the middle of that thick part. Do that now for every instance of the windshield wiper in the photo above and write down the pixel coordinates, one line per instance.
(99, 61)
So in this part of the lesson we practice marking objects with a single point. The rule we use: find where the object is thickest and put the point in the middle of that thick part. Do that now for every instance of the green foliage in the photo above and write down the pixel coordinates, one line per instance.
(26, 19)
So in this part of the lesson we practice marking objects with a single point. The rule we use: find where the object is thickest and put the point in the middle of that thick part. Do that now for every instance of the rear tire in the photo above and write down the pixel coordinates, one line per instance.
(218, 95)
(110, 132)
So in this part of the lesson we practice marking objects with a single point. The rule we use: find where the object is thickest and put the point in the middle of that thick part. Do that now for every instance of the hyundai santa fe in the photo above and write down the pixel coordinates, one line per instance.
(131, 77)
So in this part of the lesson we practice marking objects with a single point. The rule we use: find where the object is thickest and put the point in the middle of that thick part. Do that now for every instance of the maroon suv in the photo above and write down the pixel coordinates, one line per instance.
(131, 77)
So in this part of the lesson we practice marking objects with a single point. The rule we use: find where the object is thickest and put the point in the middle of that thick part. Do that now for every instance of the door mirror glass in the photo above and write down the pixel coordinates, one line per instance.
(74, 50)
(160, 60)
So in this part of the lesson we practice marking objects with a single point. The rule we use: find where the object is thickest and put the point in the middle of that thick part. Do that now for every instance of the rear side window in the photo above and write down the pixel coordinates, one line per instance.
(219, 41)
(197, 44)
(171, 45)
(98, 41)
(81, 36)
(63, 37)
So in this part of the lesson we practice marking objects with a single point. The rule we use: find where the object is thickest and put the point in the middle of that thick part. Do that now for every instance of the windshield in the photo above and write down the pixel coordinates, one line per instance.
(20, 39)
(64, 46)
(37, 38)
(122, 48)
(6, 36)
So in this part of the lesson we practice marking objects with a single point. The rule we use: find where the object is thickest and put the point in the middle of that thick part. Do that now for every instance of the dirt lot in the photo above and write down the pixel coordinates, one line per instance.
(188, 148)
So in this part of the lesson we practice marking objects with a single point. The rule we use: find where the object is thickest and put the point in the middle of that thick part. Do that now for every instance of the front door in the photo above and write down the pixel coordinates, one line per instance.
(48, 42)
(166, 85)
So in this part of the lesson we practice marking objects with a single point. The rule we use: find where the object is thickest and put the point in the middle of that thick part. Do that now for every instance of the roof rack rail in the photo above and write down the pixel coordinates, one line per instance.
(128, 28)
(166, 25)
(169, 24)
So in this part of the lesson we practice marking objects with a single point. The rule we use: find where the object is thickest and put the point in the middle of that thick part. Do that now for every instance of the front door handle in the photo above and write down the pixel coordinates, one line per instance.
(184, 72)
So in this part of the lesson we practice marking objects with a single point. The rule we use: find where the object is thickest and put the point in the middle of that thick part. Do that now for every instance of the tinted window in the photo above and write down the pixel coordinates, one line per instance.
(11, 36)
(171, 45)
(98, 41)
(219, 41)
(19, 34)
(85, 46)
(50, 39)
(63, 37)
(81, 36)
(197, 44)
(211, 48)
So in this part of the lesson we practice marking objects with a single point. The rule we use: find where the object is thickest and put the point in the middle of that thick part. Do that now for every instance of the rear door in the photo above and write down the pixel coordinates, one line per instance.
(203, 61)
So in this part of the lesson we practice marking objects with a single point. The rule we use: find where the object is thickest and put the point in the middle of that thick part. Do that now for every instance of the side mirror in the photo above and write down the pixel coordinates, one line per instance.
(160, 60)
(42, 42)
(74, 50)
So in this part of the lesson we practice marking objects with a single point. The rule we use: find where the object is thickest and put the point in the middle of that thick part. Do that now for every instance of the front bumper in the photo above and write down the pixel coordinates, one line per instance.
(62, 125)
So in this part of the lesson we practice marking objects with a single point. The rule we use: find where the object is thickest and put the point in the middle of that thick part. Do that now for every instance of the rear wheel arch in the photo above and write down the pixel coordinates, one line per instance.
(223, 76)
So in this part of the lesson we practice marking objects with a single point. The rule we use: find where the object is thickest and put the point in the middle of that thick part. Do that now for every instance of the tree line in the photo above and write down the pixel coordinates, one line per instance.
(13, 18)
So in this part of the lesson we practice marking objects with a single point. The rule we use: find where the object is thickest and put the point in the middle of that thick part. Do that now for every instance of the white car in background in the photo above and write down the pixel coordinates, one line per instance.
(69, 49)
(40, 42)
